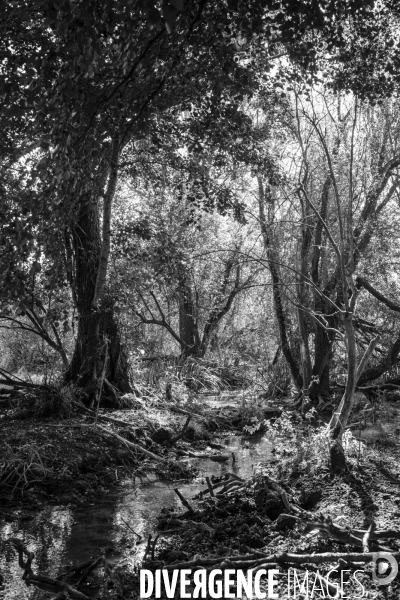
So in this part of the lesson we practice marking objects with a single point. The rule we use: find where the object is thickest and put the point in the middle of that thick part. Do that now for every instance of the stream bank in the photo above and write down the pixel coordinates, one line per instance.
(93, 496)
(242, 522)
(72, 534)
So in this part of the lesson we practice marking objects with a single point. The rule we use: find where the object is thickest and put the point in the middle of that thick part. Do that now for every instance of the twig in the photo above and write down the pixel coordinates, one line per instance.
(210, 488)
(151, 546)
(365, 540)
(184, 501)
(186, 412)
(133, 531)
(286, 502)
(248, 562)
(132, 445)
(182, 432)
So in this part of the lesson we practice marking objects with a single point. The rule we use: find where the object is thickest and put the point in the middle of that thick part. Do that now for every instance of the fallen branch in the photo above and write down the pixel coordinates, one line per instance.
(248, 562)
(104, 417)
(131, 444)
(186, 412)
(182, 432)
(151, 546)
(184, 501)
(140, 537)
(209, 562)
(286, 502)
(61, 588)
(354, 537)
(365, 540)
(210, 488)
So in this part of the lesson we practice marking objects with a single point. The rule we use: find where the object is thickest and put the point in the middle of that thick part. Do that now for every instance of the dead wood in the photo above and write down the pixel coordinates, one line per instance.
(61, 588)
(182, 432)
(184, 501)
(140, 537)
(95, 563)
(104, 417)
(346, 536)
(365, 539)
(186, 412)
(286, 502)
(179, 524)
(131, 444)
(249, 562)
(211, 561)
(231, 486)
(227, 479)
(210, 488)
(151, 546)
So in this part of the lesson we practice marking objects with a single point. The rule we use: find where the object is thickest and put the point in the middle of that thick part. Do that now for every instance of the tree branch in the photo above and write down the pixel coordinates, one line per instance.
(362, 282)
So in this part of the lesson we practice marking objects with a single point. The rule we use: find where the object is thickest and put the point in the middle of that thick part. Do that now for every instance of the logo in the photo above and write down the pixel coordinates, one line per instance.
(384, 568)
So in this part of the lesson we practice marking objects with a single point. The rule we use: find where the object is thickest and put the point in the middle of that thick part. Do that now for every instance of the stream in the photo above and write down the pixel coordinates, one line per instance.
(69, 535)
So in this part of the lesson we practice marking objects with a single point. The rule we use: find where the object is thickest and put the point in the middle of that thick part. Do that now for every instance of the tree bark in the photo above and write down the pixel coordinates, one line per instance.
(106, 233)
(188, 328)
(340, 417)
(94, 325)
(276, 291)
(383, 366)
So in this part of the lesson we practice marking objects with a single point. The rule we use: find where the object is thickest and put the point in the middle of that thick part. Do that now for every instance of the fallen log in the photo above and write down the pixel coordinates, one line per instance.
(288, 558)
(57, 586)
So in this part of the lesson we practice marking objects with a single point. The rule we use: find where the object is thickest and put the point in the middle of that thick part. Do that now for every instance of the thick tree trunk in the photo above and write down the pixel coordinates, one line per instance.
(319, 387)
(188, 329)
(98, 336)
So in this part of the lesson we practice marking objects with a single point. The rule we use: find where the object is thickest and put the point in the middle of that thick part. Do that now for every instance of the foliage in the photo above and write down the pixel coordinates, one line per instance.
(298, 449)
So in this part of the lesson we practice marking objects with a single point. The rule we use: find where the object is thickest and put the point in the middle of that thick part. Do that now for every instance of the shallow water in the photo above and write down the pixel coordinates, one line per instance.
(67, 535)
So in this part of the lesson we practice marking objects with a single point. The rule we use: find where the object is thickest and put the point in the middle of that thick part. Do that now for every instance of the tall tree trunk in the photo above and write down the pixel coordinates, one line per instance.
(188, 328)
(276, 290)
(97, 328)
(323, 342)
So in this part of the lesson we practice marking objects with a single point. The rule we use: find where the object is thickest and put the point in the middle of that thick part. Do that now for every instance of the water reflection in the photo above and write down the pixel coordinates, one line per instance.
(62, 536)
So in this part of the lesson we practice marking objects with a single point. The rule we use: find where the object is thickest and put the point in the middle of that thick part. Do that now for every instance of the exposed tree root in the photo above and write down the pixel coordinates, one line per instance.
(62, 589)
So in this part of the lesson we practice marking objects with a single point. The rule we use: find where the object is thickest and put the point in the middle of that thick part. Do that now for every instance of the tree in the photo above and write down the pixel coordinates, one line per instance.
(82, 81)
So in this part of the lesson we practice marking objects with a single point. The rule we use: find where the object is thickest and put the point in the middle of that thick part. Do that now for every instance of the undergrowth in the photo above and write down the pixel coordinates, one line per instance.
(57, 402)
(303, 448)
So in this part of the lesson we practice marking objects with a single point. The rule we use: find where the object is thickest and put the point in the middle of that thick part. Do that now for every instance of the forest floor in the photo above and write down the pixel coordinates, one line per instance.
(248, 522)
(69, 458)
